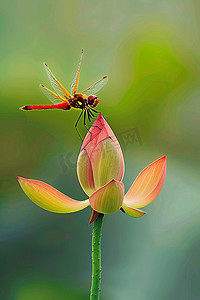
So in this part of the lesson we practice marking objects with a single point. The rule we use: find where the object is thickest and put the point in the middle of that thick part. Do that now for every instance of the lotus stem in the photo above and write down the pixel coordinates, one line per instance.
(96, 258)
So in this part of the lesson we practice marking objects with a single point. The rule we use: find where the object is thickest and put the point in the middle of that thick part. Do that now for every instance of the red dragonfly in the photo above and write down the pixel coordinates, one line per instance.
(86, 101)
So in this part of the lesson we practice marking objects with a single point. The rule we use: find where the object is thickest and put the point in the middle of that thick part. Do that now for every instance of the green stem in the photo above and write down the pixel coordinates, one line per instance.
(96, 258)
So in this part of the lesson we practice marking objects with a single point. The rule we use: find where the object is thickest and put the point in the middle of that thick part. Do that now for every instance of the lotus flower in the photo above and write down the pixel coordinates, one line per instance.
(100, 169)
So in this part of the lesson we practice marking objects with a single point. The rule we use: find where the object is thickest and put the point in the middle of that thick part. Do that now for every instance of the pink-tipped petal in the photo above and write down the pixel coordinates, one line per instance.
(133, 212)
(107, 162)
(98, 131)
(100, 159)
(109, 198)
(147, 185)
(85, 173)
(49, 198)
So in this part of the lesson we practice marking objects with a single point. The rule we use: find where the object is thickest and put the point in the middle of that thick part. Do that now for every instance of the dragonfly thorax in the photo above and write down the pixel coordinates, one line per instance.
(78, 101)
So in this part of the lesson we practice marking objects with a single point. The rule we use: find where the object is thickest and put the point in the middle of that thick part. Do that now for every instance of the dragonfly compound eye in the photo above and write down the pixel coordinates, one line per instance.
(92, 100)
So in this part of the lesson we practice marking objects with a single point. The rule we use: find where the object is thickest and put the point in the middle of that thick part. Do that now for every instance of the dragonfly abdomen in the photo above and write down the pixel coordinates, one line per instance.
(64, 105)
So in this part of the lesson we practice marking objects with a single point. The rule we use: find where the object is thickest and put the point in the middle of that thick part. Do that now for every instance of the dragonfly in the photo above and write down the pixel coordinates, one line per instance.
(86, 101)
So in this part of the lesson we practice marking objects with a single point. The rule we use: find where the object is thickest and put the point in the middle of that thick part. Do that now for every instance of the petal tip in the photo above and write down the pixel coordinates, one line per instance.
(49, 198)
(100, 116)
(164, 159)
(133, 212)
(114, 181)
(109, 198)
(148, 184)
(94, 216)
(20, 178)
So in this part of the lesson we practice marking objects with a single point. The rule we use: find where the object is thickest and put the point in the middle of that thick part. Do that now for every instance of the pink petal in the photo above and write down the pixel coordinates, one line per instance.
(147, 185)
(49, 198)
(107, 162)
(109, 198)
(98, 131)
(85, 173)
(133, 212)
(105, 157)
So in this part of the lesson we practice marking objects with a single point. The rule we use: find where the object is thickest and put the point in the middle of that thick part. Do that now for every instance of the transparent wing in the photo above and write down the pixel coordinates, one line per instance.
(93, 89)
(57, 86)
(74, 85)
(53, 97)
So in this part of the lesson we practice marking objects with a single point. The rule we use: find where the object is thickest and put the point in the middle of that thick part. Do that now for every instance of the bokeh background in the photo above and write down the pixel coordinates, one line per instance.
(150, 50)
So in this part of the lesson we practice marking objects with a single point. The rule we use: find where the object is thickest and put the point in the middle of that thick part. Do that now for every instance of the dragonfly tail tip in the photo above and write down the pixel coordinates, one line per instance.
(26, 107)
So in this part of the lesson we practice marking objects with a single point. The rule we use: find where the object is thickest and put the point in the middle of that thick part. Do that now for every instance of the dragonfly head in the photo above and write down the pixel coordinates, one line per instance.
(92, 100)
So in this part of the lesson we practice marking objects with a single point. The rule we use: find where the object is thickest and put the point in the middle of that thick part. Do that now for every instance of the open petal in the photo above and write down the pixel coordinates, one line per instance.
(133, 212)
(109, 198)
(49, 198)
(147, 185)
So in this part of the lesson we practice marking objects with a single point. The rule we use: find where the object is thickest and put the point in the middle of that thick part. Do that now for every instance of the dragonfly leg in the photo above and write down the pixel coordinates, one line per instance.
(76, 124)
(96, 111)
(90, 116)
(91, 109)
(84, 122)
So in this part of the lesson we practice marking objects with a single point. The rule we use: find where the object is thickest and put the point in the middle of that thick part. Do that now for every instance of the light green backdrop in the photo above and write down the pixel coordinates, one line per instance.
(150, 50)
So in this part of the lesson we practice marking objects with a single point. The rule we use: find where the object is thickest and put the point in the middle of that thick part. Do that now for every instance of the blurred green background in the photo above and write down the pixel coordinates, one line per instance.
(150, 50)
